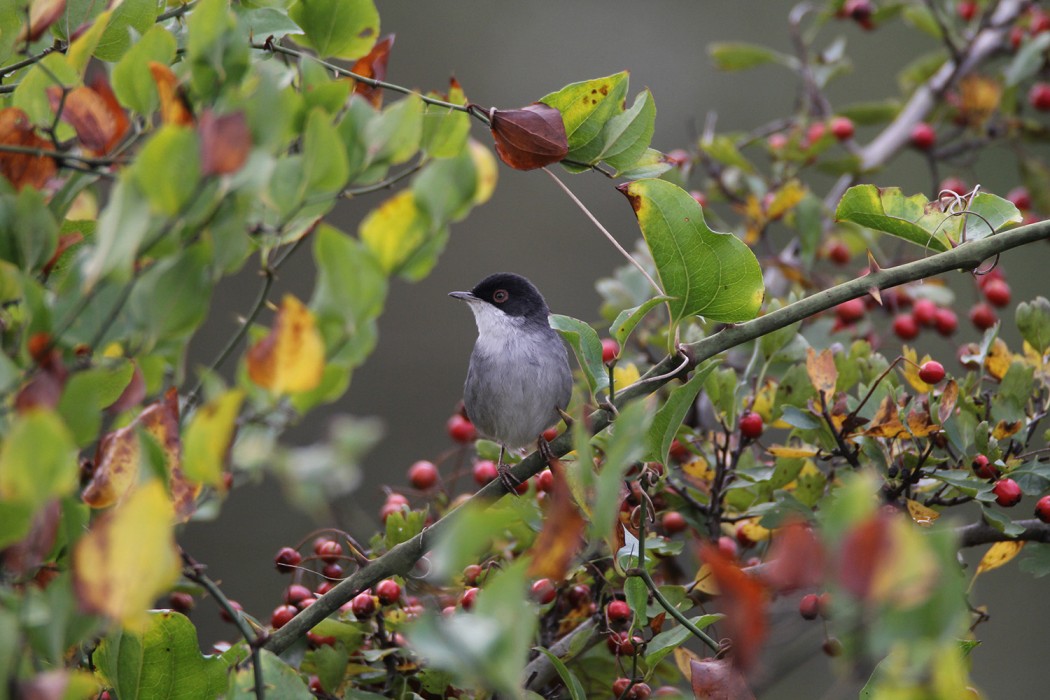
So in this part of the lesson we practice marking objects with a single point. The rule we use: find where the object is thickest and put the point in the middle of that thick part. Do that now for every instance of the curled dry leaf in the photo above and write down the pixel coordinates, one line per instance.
(173, 106)
(89, 115)
(529, 138)
(373, 65)
(23, 168)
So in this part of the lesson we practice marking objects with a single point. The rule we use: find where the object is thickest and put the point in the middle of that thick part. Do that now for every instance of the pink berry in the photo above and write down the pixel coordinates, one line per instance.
(610, 350)
(1020, 197)
(983, 316)
(924, 311)
(954, 185)
(850, 311)
(809, 606)
(997, 292)
(673, 522)
(945, 321)
(485, 471)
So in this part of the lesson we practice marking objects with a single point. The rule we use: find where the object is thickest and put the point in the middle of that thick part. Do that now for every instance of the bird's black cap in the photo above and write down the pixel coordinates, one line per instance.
(512, 294)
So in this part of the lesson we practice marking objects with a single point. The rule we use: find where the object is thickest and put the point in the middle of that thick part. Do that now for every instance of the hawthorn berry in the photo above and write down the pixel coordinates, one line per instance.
(777, 142)
(388, 591)
(838, 253)
(673, 522)
(984, 468)
(323, 587)
(550, 433)
(1007, 493)
(620, 686)
(579, 594)
(1042, 509)
(545, 481)
(1020, 197)
(332, 571)
(543, 591)
(924, 311)
(1040, 22)
(728, 546)
(815, 133)
(296, 593)
(905, 327)
(460, 429)
(954, 185)
(363, 605)
(484, 471)
(225, 615)
(623, 643)
(997, 292)
(860, 11)
(832, 647)
(471, 573)
(282, 615)
(466, 601)
(423, 474)
(617, 611)
(751, 425)
(1039, 97)
(931, 372)
(742, 538)
(610, 350)
(983, 316)
(850, 311)
(181, 601)
(809, 606)
(287, 559)
(699, 197)
(945, 321)
(330, 551)
(842, 128)
(966, 9)
(679, 450)
(923, 136)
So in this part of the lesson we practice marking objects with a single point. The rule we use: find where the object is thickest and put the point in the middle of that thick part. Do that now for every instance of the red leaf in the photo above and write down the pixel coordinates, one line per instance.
(744, 603)
(373, 65)
(717, 679)
(529, 138)
(863, 549)
(225, 142)
(796, 559)
(88, 114)
(120, 118)
(42, 14)
(23, 168)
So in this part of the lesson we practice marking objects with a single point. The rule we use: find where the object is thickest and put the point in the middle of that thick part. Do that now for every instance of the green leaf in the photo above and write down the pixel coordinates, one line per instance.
(28, 231)
(164, 661)
(207, 438)
(171, 298)
(724, 150)
(707, 273)
(1001, 522)
(395, 230)
(626, 445)
(394, 135)
(133, 83)
(31, 94)
(320, 89)
(1027, 61)
(325, 168)
(653, 163)
(37, 459)
(734, 56)
(637, 595)
(338, 28)
(80, 50)
(327, 663)
(587, 345)
(87, 393)
(627, 135)
(989, 213)
(585, 108)
(1037, 559)
(445, 188)
(920, 70)
(122, 227)
(1033, 320)
(572, 683)
(670, 415)
(628, 319)
(168, 169)
(282, 681)
(667, 641)
(922, 18)
(445, 130)
(870, 113)
(137, 15)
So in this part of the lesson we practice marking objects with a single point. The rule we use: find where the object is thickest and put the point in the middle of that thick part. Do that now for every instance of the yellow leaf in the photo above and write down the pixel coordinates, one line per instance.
(624, 375)
(129, 557)
(922, 515)
(787, 198)
(1004, 429)
(998, 554)
(705, 581)
(395, 230)
(752, 530)
(999, 359)
(208, 438)
(764, 399)
(290, 358)
(822, 372)
(683, 658)
(698, 469)
(487, 172)
(783, 451)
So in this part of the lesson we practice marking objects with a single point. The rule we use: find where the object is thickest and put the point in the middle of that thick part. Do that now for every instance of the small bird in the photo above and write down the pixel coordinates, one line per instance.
(519, 380)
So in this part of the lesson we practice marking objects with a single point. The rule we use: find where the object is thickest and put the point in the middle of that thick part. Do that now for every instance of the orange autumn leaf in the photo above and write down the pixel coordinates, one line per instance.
(792, 452)
(120, 118)
(556, 547)
(173, 106)
(90, 116)
(1004, 429)
(290, 358)
(887, 423)
(822, 372)
(796, 559)
(23, 168)
(373, 65)
(129, 557)
(922, 515)
(744, 602)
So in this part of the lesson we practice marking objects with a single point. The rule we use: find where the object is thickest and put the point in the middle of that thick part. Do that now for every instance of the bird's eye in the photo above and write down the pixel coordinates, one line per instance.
(500, 296)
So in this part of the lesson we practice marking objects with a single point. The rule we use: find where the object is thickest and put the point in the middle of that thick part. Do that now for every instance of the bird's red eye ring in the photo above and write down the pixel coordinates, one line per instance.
(500, 296)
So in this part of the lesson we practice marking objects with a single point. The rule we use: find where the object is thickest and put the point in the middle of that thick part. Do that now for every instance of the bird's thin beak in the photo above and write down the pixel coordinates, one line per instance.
(463, 296)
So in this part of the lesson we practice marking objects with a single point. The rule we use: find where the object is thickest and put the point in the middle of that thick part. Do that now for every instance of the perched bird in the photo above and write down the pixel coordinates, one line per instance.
(519, 380)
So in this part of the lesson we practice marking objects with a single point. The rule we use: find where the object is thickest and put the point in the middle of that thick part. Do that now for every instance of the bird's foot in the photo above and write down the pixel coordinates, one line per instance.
(510, 482)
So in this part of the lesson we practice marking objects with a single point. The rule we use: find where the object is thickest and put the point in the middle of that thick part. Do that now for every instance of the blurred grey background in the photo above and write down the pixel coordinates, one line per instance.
(508, 55)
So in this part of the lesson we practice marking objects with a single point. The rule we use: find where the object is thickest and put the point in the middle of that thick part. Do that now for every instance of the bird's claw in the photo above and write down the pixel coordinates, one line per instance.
(507, 478)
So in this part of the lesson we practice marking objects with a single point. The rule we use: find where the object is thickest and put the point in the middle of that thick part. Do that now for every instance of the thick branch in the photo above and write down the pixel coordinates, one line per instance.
(982, 533)
(401, 559)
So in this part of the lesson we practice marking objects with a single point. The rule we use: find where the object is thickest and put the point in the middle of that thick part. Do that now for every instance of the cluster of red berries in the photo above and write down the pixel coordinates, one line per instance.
(812, 606)
(1007, 492)
(906, 324)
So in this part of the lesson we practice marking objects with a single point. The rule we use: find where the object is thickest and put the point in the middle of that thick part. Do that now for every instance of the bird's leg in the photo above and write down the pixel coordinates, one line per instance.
(546, 452)
(509, 481)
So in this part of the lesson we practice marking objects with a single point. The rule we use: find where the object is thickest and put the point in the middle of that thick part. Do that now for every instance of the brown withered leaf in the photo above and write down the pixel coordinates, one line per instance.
(862, 551)
(744, 603)
(174, 109)
(886, 423)
(225, 142)
(88, 114)
(717, 679)
(822, 372)
(1004, 429)
(920, 424)
(949, 397)
(42, 14)
(23, 168)
(120, 118)
(796, 559)
(373, 65)
(529, 138)
(556, 547)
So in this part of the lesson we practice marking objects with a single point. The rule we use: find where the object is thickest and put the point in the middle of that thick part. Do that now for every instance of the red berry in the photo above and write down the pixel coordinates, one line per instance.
(931, 372)
(1040, 22)
(997, 292)
(363, 605)
(330, 551)
(545, 481)
(617, 611)
(842, 128)
(550, 433)
(389, 509)
(679, 450)
(809, 606)
(287, 559)
(1007, 493)
(905, 327)
(850, 311)
(924, 311)
(838, 253)
(460, 429)
(678, 157)
(622, 643)
(1016, 37)
(323, 587)
(945, 321)
(1042, 509)
(815, 133)
(699, 196)
(673, 522)
(742, 537)
(388, 591)
(485, 471)
(181, 602)
(1021, 198)
(954, 185)
(466, 601)
(777, 142)
(619, 686)
(423, 475)
(832, 647)
(751, 425)
(543, 591)
(579, 594)
(332, 571)
(471, 573)
(296, 593)
(1039, 96)
(923, 136)
(966, 10)
(859, 10)
(983, 316)
(282, 615)
(396, 499)
(824, 605)
(315, 686)
(728, 546)
(610, 350)
(983, 468)
(306, 602)
(226, 615)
